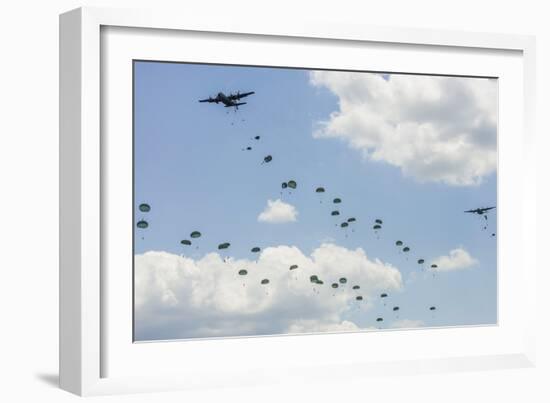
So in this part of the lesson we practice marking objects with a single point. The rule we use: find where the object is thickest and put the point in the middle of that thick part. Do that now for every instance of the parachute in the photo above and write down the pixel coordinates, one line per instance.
(383, 295)
(351, 219)
(359, 298)
(420, 261)
(292, 184)
(144, 207)
(142, 224)
(343, 280)
(379, 319)
(264, 281)
(378, 221)
(398, 243)
(256, 137)
(395, 308)
(293, 267)
(284, 185)
(355, 287)
(255, 249)
(243, 272)
(433, 266)
(185, 242)
(406, 249)
(335, 213)
(224, 245)
(320, 190)
(313, 279)
(334, 285)
(344, 225)
(432, 308)
(376, 227)
(337, 200)
(195, 234)
(267, 159)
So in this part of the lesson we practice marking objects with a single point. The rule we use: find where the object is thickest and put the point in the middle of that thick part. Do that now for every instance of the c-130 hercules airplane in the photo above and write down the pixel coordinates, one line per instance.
(228, 100)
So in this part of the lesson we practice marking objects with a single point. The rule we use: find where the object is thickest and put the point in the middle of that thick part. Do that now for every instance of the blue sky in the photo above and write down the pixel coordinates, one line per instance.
(191, 166)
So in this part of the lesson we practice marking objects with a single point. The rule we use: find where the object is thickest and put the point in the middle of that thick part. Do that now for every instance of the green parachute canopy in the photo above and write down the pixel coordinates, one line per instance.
(293, 267)
(313, 278)
(268, 158)
(420, 261)
(376, 227)
(224, 245)
(379, 319)
(185, 242)
(359, 298)
(343, 280)
(256, 137)
(398, 243)
(334, 285)
(337, 200)
(142, 224)
(292, 184)
(320, 190)
(351, 219)
(355, 287)
(434, 266)
(243, 272)
(284, 185)
(255, 249)
(264, 281)
(144, 207)
(383, 295)
(195, 234)
(406, 249)
(335, 213)
(344, 225)
(432, 308)
(378, 221)
(396, 308)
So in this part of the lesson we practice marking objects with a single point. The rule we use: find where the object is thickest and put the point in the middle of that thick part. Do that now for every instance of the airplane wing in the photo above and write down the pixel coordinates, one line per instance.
(239, 96)
(470, 211)
(488, 208)
(207, 100)
(235, 104)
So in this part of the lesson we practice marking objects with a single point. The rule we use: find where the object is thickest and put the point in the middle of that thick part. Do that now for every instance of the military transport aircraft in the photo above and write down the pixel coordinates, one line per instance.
(480, 211)
(230, 100)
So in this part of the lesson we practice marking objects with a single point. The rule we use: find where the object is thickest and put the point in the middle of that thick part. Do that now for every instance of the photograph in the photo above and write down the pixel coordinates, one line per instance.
(270, 200)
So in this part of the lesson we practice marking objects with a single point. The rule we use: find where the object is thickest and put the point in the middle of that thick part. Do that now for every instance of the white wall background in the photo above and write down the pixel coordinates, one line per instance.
(29, 201)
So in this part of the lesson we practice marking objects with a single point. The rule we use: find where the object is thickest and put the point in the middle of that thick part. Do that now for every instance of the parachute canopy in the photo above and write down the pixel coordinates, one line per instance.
(264, 281)
(293, 267)
(343, 280)
(406, 249)
(383, 295)
(355, 287)
(344, 225)
(375, 227)
(432, 308)
(420, 261)
(142, 224)
(334, 285)
(379, 319)
(144, 207)
(351, 219)
(224, 245)
(335, 212)
(359, 298)
(398, 243)
(195, 234)
(243, 272)
(284, 185)
(320, 190)
(433, 266)
(337, 200)
(396, 308)
(185, 242)
(255, 249)
(292, 184)
(268, 158)
(313, 279)
(378, 221)
(256, 137)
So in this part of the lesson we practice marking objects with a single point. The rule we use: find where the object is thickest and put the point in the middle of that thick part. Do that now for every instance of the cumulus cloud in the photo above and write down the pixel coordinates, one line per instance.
(457, 259)
(407, 324)
(277, 211)
(435, 129)
(179, 297)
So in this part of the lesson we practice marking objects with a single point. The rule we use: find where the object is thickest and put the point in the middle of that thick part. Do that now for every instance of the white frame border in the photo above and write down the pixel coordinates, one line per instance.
(80, 164)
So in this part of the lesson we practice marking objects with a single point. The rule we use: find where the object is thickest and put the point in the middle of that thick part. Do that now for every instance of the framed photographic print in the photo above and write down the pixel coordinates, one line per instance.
(312, 199)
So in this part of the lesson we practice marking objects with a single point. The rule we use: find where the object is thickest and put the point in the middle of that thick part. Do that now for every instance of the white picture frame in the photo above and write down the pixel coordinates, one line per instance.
(93, 348)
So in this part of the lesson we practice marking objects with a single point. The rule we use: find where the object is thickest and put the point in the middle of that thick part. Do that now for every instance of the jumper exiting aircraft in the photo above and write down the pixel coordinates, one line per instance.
(230, 100)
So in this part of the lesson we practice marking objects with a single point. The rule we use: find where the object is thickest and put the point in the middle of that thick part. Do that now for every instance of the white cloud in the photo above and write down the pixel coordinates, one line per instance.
(277, 211)
(407, 324)
(179, 297)
(457, 259)
(435, 129)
